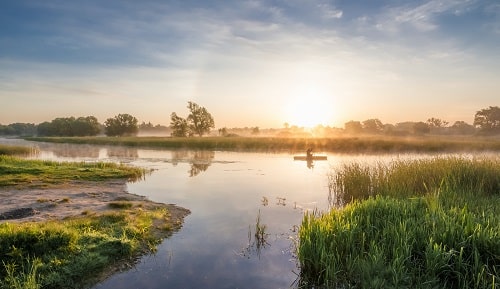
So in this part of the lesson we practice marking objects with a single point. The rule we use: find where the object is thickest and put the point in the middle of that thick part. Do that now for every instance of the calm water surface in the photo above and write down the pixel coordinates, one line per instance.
(226, 192)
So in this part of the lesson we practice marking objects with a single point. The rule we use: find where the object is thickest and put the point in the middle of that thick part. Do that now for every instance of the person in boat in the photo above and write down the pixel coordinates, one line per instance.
(309, 154)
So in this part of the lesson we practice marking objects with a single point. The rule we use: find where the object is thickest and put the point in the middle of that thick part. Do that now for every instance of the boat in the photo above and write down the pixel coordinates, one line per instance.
(309, 158)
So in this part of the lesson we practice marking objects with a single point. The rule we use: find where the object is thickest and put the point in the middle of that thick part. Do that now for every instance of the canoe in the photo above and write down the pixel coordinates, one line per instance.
(306, 158)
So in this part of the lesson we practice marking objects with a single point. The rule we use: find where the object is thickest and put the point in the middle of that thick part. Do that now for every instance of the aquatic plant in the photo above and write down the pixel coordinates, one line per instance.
(442, 231)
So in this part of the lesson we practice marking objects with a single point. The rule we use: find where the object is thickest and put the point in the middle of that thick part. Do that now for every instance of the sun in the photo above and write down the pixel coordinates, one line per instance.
(309, 107)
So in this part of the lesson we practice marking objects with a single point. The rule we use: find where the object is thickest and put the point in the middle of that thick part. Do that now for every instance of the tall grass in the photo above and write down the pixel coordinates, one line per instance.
(409, 178)
(17, 171)
(71, 253)
(273, 144)
(17, 150)
(442, 231)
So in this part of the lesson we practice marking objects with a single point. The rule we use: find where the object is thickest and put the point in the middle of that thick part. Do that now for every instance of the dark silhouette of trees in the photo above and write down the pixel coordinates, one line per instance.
(421, 128)
(353, 126)
(373, 126)
(179, 125)
(488, 120)
(461, 127)
(436, 122)
(198, 122)
(120, 125)
(21, 129)
(70, 126)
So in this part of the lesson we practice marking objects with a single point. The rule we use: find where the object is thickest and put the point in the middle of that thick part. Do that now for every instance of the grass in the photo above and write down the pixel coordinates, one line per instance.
(22, 172)
(274, 144)
(74, 252)
(120, 205)
(412, 224)
(16, 150)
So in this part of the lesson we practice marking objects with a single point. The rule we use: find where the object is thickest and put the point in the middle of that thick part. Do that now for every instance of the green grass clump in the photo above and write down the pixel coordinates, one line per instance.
(120, 205)
(72, 253)
(444, 235)
(17, 171)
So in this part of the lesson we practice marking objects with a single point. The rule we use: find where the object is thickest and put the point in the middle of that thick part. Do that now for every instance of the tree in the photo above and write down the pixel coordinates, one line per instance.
(373, 126)
(200, 121)
(488, 120)
(122, 124)
(17, 128)
(461, 127)
(86, 126)
(421, 128)
(353, 126)
(436, 122)
(179, 125)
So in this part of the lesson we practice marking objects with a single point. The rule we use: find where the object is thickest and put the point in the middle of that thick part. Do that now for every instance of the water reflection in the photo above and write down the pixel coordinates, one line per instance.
(122, 152)
(70, 151)
(199, 160)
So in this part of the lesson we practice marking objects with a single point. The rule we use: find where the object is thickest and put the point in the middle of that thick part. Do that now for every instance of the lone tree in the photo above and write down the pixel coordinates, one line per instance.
(179, 125)
(122, 124)
(488, 120)
(198, 122)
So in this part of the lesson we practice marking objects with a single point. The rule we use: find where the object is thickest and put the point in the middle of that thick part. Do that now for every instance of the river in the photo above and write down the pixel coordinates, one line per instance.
(226, 193)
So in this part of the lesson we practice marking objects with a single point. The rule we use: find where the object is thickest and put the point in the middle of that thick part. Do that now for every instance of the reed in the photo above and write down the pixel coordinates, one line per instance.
(408, 178)
(443, 231)
(16, 150)
(276, 144)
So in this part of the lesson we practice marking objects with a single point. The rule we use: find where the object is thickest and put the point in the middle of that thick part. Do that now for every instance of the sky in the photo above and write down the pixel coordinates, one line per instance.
(249, 63)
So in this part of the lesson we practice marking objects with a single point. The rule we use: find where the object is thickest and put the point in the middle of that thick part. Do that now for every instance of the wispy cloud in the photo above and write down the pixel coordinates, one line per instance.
(421, 17)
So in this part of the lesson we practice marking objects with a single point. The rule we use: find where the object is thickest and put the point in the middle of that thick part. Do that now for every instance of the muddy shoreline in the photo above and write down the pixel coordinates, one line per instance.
(76, 198)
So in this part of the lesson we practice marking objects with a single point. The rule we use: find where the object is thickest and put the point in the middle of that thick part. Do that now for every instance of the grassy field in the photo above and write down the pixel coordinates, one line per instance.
(73, 253)
(270, 144)
(15, 171)
(416, 224)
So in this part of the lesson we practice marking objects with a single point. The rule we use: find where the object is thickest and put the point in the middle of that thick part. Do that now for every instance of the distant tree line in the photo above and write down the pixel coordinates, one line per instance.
(70, 126)
(200, 122)
(22, 129)
(486, 122)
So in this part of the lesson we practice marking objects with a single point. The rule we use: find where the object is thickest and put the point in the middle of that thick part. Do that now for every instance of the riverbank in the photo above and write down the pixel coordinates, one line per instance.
(70, 225)
(411, 224)
(361, 144)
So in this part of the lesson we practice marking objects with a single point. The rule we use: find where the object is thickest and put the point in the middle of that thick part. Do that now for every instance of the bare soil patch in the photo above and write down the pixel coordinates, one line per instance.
(57, 202)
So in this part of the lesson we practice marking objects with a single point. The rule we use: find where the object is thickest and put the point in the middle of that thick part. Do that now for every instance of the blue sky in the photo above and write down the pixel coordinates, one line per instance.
(250, 63)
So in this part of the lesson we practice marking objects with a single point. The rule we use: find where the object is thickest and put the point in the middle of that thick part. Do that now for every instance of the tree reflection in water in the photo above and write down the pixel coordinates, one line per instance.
(199, 160)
